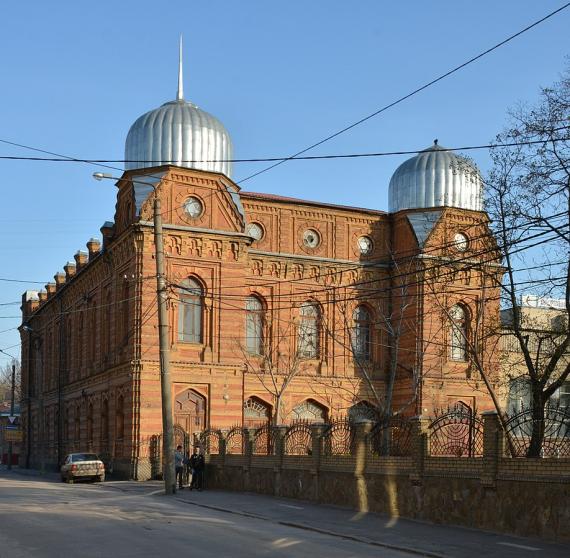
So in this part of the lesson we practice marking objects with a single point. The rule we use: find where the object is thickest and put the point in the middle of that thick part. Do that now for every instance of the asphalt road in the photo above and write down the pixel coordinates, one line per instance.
(41, 517)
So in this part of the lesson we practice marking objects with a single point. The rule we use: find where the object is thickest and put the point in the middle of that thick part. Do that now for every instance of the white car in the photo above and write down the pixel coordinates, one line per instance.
(82, 466)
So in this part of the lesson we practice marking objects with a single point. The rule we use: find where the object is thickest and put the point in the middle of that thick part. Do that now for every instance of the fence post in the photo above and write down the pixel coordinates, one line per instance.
(420, 448)
(362, 453)
(280, 432)
(248, 443)
(317, 431)
(493, 447)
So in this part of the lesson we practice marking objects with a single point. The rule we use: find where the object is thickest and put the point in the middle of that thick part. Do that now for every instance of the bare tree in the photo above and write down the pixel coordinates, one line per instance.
(272, 362)
(380, 350)
(6, 382)
(528, 200)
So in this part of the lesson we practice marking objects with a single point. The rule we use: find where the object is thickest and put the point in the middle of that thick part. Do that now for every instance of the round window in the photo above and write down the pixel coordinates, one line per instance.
(311, 238)
(365, 245)
(193, 207)
(255, 230)
(460, 242)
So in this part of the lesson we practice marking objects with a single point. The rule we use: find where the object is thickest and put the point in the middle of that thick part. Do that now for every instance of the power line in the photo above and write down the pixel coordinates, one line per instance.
(411, 94)
(283, 159)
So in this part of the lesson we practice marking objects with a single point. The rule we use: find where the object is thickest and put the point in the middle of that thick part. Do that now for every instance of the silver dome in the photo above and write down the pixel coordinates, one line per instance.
(435, 177)
(175, 133)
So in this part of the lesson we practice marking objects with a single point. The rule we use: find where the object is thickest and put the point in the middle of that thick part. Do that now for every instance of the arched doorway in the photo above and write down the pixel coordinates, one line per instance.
(190, 411)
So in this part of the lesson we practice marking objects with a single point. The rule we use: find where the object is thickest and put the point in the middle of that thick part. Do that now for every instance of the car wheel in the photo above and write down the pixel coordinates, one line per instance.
(101, 478)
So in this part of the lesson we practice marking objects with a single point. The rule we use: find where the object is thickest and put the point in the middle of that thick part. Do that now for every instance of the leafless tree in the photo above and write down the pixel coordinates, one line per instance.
(6, 382)
(275, 364)
(383, 356)
(528, 200)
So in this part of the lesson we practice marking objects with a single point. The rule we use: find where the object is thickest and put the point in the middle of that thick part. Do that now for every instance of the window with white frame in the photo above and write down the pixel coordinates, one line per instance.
(190, 311)
(458, 333)
(361, 333)
(254, 319)
(308, 338)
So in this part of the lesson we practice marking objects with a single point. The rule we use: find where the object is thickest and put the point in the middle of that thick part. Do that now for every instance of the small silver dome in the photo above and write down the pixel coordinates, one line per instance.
(176, 132)
(435, 177)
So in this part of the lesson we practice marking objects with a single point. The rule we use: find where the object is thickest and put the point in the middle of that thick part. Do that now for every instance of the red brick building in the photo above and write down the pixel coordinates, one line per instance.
(279, 308)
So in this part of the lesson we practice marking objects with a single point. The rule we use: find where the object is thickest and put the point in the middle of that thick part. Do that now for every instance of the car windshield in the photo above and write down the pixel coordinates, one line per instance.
(84, 457)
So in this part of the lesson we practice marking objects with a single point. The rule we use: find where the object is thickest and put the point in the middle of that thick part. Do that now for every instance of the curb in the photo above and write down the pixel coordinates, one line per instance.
(355, 538)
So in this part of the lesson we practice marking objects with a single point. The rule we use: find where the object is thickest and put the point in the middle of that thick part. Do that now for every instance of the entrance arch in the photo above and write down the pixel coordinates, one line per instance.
(190, 411)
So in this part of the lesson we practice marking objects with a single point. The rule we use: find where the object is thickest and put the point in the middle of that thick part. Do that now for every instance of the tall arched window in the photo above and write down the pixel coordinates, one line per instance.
(90, 426)
(458, 333)
(104, 422)
(120, 418)
(308, 340)
(190, 310)
(254, 319)
(361, 333)
(77, 427)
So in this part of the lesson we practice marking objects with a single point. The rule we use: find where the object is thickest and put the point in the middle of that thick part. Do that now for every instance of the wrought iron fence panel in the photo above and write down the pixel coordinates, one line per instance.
(456, 432)
(181, 438)
(391, 437)
(149, 451)
(235, 441)
(555, 426)
(210, 441)
(298, 439)
(338, 438)
(264, 440)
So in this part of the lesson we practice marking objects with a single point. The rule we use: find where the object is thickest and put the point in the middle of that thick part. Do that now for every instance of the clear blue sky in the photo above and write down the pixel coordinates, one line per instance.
(279, 75)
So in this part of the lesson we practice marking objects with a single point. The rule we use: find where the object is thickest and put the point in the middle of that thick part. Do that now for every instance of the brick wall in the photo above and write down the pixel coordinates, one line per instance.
(521, 496)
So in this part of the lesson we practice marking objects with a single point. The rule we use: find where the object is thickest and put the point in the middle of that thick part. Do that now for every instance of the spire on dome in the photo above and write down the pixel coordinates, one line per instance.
(180, 93)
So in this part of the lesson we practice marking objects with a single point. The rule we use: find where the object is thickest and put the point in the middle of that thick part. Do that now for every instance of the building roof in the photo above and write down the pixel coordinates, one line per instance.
(298, 201)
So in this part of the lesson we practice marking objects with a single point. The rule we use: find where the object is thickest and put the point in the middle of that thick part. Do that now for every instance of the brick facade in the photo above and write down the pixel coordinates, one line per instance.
(91, 345)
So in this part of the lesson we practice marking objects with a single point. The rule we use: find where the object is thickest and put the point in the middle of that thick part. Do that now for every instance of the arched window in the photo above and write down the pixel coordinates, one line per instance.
(256, 413)
(190, 310)
(361, 412)
(104, 421)
(90, 426)
(361, 333)
(80, 343)
(458, 333)
(254, 320)
(308, 340)
(120, 418)
(77, 429)
(310, 411)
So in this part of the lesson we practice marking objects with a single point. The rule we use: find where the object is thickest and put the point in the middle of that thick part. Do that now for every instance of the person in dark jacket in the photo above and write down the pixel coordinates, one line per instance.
(197, 464)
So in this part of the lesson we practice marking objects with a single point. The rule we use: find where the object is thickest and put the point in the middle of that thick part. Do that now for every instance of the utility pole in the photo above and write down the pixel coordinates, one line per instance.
(13, 390)
(168, 472)
(162, 295)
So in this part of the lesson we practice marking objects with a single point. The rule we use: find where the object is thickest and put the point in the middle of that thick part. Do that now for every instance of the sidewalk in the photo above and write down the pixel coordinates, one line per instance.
(424, 539)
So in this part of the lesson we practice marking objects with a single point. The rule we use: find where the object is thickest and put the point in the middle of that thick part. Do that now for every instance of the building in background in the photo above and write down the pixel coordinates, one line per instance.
(279, 308)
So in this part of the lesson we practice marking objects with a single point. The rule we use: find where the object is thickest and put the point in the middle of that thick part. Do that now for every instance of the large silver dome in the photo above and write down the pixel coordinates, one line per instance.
(176, 133)
(179, 133)
(435, 177)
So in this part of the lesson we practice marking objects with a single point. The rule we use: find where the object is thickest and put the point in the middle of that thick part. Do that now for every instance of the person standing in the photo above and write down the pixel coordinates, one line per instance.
(179, 466)
(197, 465)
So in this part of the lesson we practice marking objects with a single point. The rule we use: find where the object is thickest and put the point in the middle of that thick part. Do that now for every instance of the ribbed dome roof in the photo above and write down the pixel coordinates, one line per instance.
(435, 177)
(176, 132)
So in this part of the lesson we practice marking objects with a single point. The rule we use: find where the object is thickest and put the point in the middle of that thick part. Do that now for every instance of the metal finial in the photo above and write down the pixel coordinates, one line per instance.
(435, 141)
(180, 93)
